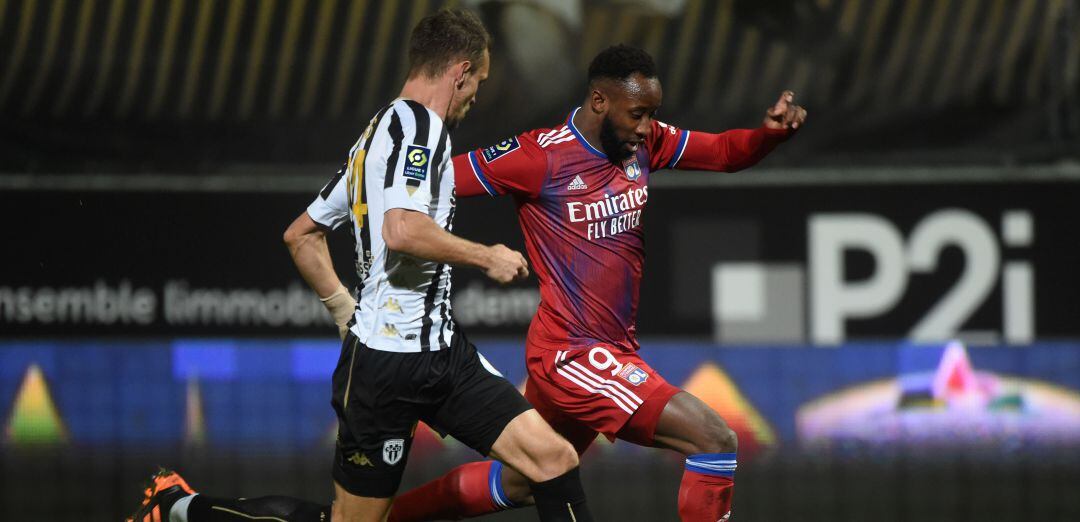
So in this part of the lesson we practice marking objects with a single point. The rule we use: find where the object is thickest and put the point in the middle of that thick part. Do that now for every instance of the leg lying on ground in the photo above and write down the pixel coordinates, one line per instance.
(168, 498)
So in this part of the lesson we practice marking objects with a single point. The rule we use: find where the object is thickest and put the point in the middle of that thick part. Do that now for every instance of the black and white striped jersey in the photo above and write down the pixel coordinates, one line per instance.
(401, 161)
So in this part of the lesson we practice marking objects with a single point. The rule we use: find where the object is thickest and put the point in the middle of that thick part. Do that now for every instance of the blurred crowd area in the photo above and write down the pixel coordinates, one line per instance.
(203, 86)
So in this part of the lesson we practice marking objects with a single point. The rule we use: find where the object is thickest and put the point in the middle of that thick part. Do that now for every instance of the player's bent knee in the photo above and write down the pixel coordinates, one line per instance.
(558, 458)
(532, 448)
(719, 439)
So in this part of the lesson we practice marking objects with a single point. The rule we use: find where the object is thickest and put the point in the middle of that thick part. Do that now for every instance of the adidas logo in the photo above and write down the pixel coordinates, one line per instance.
(577, 184)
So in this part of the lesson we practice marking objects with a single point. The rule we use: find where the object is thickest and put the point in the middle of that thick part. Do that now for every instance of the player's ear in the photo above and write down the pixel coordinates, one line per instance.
(462, 69)
(597, 101)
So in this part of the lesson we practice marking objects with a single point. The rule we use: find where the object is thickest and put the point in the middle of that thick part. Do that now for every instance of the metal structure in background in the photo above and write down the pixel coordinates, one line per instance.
(184, 85)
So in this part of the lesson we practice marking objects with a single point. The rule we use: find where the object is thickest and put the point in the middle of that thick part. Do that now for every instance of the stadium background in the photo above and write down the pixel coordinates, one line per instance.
(885, 308)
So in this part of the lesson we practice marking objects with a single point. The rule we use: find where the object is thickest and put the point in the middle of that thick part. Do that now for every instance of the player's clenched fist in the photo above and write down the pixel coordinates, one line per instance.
(505, 265)
(785, 114)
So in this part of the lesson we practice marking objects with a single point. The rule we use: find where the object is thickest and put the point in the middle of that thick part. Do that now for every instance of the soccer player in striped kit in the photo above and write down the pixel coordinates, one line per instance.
(580, 191)
(403, 358)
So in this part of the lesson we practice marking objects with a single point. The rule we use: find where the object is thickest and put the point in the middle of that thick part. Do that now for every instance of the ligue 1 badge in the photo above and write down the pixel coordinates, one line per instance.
(416, 162)
(632, 169)
(501, 149)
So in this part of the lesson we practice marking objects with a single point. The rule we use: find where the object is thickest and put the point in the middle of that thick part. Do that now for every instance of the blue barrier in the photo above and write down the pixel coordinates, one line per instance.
(237, 393)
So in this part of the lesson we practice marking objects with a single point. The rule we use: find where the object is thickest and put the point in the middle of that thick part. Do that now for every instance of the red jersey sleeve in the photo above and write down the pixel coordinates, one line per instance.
(729, 151)
(515, 165)
(666, 144)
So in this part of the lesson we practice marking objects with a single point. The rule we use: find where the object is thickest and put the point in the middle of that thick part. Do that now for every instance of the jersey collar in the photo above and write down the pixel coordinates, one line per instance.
(577, 134)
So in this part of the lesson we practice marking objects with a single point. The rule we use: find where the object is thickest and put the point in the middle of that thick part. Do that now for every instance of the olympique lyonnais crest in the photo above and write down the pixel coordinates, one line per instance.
(633, 375)
(632, 169)
(393, 450)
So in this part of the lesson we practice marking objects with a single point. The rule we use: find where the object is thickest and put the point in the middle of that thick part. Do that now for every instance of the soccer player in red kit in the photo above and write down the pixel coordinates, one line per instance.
(580, 190)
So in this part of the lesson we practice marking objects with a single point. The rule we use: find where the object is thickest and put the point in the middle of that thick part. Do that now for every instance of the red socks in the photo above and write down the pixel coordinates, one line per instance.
(475, 489)
(707, 486)
(468, 490)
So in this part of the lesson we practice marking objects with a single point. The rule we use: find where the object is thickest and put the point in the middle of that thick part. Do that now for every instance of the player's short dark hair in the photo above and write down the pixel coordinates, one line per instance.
(444, 37)
(620, 62)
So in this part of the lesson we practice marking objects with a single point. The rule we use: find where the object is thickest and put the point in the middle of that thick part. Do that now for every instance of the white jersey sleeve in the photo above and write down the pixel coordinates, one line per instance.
(331, 207)
(416, 159)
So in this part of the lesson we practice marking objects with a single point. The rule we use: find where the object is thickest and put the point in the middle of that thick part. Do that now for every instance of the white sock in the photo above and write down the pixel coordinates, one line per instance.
(178, 513)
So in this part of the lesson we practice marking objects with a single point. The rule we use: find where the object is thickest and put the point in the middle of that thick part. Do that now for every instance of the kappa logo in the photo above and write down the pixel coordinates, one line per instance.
(391, 305)
(393, 450)
(577, 184)
(360, 459)
(501, 149)
(416, 162)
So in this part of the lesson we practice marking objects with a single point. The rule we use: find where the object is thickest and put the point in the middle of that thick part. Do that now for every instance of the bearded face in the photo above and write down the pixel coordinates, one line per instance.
(616, 149)
(628, 108)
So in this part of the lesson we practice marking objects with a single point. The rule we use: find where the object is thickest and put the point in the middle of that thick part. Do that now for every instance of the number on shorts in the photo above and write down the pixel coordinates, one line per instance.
(607, 362)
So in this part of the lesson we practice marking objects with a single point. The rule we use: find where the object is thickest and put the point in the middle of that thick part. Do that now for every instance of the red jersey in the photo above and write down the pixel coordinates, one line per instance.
(581, 216)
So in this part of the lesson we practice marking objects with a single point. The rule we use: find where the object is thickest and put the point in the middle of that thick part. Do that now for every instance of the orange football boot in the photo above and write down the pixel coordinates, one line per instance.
(165, 488)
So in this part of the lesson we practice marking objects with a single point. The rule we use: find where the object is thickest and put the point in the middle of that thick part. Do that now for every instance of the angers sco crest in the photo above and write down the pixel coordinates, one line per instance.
(393, 450)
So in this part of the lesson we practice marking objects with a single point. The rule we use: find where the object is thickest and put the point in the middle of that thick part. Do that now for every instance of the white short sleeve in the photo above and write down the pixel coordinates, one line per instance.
(331, 207)
(415, 152)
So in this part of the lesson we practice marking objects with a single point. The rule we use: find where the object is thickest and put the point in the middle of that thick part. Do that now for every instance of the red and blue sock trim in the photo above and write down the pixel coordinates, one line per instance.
(495, 483)
(716, 464)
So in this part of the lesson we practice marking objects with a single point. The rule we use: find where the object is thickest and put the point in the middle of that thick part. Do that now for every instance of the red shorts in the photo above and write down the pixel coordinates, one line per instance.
(598, 389)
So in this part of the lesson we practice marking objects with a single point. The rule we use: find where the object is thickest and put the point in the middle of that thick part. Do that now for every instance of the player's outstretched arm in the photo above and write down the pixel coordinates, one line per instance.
(515, 166)
(738, 149)
(307, 246)
(416, 234)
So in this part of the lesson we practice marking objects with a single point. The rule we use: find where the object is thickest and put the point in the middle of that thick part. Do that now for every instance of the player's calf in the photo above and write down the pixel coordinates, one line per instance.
(515, 487)
(692, 428)
(467, 491)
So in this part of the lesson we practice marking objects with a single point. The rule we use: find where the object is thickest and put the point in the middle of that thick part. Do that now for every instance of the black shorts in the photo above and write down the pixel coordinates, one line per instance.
(379, 396)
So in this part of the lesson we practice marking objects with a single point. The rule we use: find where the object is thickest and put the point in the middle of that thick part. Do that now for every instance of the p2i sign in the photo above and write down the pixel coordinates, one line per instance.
(834, 299)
